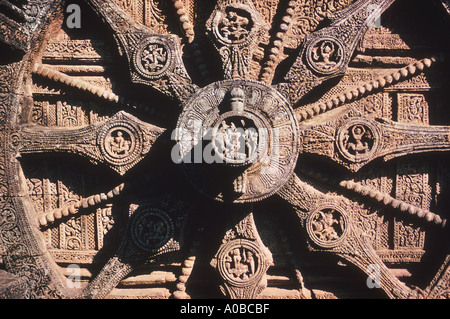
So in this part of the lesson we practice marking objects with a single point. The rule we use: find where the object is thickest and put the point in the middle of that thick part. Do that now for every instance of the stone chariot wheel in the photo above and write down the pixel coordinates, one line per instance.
(237, 148)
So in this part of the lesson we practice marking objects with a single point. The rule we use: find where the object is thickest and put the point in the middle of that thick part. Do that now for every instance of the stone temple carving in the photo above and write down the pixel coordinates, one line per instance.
(231, 148)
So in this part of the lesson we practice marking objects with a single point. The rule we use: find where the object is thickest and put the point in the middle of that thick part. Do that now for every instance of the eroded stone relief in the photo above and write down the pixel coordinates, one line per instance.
(217, 148)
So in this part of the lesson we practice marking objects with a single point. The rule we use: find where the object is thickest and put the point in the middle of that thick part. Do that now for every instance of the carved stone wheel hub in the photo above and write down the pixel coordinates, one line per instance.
(248, 134)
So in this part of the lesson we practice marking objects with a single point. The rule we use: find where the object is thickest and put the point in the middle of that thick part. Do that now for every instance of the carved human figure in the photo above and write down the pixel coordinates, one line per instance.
(251, 141)
(237, 142)
(241, 264)
(234, 26)
(236, 137)
(323, 226)
(118, 144)
(250, 261)
(154, 57)
(151, 231)
(325, 55)
(357, 140)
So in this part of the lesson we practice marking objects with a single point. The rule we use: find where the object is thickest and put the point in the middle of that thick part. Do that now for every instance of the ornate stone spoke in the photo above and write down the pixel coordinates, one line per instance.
(402, 139)
(331, 227)
(326, 53)
(382, 198)
(242, 260)
(356, 141)
(235, 28)
(154, 228)
(359, 252)
(154, 59)
(109, 277)
(388, 200)
(119, 143)
(48, 72)
(310, 112)
(439, 286)
(300, 195)
(73, 208)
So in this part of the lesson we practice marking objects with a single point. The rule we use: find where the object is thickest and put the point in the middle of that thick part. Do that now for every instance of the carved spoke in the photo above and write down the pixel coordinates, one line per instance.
(235, 30)
(154, 228)
(311, 111)
(154, 59)
(107, 95)
(388, 200)
(119, 143)
(242, 260)
(356, 141)
(72, 208)
(330, 226)
(380, 197)
(326, 53)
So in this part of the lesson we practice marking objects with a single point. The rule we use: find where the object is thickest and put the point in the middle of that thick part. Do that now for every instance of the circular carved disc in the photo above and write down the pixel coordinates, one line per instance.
(327, 226)
(240, 262)
(357, 140)
(120, 142)
(151, 229)
(257, 131)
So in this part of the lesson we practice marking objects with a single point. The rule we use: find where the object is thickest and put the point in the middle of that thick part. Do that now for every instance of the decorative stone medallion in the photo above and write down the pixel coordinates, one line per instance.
(325, 55)
(327, 226)
(234, 24)
(120, 142)
(247, 132)
(151, 229)
(153, 57)
(357, 140)
(235, 29)
(241, 263)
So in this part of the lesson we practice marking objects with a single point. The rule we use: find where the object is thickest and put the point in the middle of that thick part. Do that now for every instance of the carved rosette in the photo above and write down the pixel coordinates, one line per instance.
(154, 56)
(154, 228)
(325, 55)
(152, 231)
(120, 143)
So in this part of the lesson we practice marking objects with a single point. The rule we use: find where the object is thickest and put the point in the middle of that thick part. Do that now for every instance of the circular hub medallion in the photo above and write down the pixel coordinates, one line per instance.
(245, 135)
